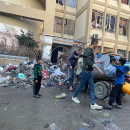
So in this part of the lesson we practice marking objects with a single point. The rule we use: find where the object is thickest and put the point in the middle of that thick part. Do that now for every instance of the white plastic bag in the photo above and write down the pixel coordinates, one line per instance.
(58, 72)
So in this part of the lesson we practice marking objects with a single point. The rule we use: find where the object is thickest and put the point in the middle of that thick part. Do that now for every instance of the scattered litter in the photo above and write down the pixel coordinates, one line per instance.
(63, 95)
(42, 86)
(112, 126)
(46, 126)
(21, 76)
(105, 123)
(90, 123)
(53, 126)
(107, 115)
(84, 124)
(16, 76)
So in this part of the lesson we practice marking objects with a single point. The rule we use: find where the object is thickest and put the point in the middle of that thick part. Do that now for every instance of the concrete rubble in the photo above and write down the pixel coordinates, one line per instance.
(22, 75)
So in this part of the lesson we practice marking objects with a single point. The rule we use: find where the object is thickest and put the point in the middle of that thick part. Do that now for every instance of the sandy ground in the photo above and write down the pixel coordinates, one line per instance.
(20, 111)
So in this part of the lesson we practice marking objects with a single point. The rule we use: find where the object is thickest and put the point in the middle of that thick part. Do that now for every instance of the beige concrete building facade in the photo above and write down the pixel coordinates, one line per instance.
(107, 20)
(62, 22)
(52, 21)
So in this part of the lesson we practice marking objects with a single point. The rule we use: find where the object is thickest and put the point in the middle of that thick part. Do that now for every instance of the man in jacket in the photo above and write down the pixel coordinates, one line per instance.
(86, 76)
(72, 62)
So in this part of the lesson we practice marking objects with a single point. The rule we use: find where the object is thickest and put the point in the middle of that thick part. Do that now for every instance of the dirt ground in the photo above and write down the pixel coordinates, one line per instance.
(20, 111)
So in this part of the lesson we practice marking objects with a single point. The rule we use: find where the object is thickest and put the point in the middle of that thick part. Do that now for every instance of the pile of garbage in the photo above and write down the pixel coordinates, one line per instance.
(22, 75)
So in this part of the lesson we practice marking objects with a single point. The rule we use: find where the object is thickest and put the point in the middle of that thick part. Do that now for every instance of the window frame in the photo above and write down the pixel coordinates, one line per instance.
(109, 22)
(127, 24)
(96, 20)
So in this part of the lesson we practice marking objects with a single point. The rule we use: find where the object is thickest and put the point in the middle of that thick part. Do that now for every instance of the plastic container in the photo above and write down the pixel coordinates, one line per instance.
(126, 88)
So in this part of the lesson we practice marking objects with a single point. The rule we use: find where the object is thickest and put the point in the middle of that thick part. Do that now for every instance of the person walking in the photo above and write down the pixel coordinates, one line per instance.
(86, 76)
(72, 62)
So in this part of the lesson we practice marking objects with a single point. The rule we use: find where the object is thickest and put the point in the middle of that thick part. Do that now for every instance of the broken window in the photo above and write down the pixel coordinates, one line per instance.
(69, 26)
(58, 25)
(127, 2)
(123, 27)
(121, 52)
(71, 3)
(110, 23)
(97, 19)
(61, 2)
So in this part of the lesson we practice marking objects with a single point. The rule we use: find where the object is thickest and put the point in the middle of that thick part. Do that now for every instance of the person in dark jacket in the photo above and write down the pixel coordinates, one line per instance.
(72, 62)
(119, 81)
(37, 78)
(86, 76)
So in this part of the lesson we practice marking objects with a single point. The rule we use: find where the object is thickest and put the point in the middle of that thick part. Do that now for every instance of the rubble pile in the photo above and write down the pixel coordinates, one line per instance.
(22, 75)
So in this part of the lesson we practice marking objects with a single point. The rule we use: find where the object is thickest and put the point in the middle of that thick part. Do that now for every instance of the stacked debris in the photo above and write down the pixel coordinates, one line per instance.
(22, 75)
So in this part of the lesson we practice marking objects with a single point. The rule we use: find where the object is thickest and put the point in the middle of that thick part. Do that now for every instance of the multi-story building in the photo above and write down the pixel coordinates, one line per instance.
(107, 20)
(52, 22)
(61, 22)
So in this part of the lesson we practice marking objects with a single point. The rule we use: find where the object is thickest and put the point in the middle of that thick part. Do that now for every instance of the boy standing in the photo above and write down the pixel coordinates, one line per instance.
(37, 78)
(119, 81)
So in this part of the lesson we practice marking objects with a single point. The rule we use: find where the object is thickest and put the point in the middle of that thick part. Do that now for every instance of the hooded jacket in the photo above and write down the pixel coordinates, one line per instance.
(120, 74)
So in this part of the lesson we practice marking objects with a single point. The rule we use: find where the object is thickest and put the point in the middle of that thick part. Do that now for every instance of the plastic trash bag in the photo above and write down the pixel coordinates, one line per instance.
(21, 76)
(44, 74)
(4, 79)
(106, 67)
(58, 72)
(1, 69)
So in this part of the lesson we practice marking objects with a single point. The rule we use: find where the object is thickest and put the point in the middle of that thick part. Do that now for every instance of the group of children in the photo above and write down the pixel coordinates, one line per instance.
(116, 90)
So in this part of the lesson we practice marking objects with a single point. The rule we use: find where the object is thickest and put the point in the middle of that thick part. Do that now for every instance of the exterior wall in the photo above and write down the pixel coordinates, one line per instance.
(80, 26)
(34, 26)
(64, 12)
(27, 3)
(107, 39)
(82, 20)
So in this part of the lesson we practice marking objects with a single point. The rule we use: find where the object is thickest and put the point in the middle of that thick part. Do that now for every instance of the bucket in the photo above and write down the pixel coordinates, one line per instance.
(126, 88)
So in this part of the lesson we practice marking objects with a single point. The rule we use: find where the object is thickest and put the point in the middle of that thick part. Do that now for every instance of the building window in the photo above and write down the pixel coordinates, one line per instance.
(123, 27)
(127, 2)
(69, 26)
(58, 25)
(61, 2)
(106, 50)
(71, 3)
(97, 19)
(110, 23)
(121, 52)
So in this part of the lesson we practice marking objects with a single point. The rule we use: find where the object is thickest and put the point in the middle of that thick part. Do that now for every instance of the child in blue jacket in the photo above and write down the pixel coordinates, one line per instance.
(118, 84)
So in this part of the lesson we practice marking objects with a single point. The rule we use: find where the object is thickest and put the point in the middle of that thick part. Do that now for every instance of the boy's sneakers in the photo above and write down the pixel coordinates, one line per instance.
(96, 107)
(75, 99)
(36, 96)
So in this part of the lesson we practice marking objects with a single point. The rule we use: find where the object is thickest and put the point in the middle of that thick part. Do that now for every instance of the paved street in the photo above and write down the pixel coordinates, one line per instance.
(20, 111)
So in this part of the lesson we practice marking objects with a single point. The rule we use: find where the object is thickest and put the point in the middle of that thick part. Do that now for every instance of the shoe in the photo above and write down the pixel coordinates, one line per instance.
(117, 106)
(75, 99)
(36, 96)
(107, 107)
(39, 95)
(96, 107)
